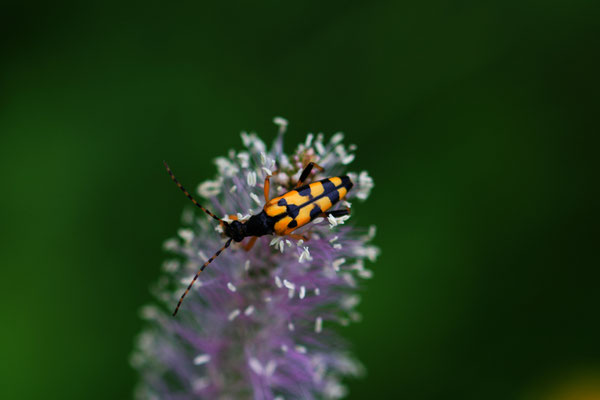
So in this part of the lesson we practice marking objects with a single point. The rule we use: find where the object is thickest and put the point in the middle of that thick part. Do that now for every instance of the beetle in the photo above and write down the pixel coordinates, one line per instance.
(280, 215)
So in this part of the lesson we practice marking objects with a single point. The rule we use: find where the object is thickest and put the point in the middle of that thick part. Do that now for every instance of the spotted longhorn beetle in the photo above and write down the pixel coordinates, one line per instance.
(281, 215)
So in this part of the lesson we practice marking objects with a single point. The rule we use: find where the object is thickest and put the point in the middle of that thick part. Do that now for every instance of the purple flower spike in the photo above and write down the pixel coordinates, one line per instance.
(258, 324)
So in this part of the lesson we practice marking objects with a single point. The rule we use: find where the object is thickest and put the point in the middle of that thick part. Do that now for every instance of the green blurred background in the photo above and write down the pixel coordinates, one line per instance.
(477, 120)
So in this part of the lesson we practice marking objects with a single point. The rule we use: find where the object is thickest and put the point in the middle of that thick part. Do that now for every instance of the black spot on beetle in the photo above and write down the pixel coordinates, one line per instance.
(328, 186)
(334, 196)
(315, 212)
(292, 210)
(305, 191)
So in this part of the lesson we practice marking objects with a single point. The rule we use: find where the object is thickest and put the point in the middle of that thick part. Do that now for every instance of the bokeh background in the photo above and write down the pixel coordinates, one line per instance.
(477, 120)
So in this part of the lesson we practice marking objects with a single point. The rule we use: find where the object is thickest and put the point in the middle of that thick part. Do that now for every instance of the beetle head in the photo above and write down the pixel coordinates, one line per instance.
(236, 230)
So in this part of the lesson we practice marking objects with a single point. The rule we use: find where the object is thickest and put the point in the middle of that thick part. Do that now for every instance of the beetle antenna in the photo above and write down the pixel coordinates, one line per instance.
(198, 273)
(188, 194)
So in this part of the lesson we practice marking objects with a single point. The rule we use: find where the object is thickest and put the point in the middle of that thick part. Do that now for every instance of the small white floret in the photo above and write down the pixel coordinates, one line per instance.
(233, 189)
(257, 143)
(187, 280)
(296, 176)
(334, 390)
(301, 349)
(226, 167)
(288, 284)
(332, 221)
(231, 287)
(233, 315)
(370, 252)
(171, 244)
(302, 292)
(349, 278)
(336, 263)
(270, 368)
(247, 265)
(209, 189)
(372, 232)
(305, 255)
(318, 324)
(251, 178)
(186, 234)
(201, 359)
(319, 144)
(267, 171)
(348, 159)
(243, 218)
(149, 312)
(309, 139)
(328, 159)
(246, 138)
(365, 184)
(349, 302)
(255, 198)
(284, 162)
(338, 137)
(278, 282)
(317, 291)
(281, 122)
(282, 179)
(170, 265)
(256, 366)
(244, 159)
(291, 326)
(365, 273)
(249, 310)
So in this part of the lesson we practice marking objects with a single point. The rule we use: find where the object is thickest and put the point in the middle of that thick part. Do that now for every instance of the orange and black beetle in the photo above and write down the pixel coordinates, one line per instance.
(281, 215)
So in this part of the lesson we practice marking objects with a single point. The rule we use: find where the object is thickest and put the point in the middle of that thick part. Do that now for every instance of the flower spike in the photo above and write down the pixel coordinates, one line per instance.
(262, 324)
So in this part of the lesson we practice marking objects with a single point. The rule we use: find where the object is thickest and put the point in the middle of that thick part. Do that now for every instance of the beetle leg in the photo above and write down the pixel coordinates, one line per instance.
(297, 236)
(337, 213)
(267, 187)
(307, 171)
(250, 243)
